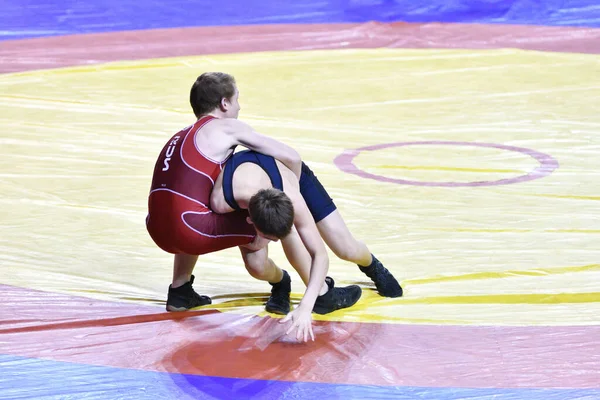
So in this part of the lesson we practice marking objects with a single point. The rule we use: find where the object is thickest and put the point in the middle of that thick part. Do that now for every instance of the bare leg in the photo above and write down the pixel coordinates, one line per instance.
(339, 239)
(330, 298)
(181, 295)
(336, 234)
(260, 266)
(183, 266)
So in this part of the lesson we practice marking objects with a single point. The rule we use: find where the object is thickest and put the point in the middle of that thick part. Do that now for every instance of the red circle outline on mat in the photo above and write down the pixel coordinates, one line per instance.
(547, 164)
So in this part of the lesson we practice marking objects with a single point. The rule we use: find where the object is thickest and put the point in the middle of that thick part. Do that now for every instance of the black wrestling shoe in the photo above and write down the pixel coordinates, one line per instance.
(184, 297)
(385, 282)
(279, 301)
(336, 298)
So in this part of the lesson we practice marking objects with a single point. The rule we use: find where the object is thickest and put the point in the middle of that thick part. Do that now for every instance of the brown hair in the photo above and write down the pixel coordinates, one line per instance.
(272, 212)
(209, 89)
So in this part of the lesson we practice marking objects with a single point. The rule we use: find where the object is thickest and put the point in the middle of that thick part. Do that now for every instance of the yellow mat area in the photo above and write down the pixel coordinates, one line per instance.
(78, 147)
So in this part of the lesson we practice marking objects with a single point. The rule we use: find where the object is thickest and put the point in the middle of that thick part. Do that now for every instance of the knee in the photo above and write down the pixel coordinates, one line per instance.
(346, 253)
(352, 251)
(257, 267)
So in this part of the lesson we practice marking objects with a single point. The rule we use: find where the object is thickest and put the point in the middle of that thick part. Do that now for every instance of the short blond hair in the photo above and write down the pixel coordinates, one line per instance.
(208, 91)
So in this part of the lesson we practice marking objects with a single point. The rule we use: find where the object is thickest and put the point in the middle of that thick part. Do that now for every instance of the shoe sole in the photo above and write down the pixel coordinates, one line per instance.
(395, 296)
(180, 309)
(322, 311)
(176, 309)
(277, 311)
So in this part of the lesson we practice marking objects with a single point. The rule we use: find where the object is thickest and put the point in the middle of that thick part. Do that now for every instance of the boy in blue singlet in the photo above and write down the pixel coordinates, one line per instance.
(241, 185)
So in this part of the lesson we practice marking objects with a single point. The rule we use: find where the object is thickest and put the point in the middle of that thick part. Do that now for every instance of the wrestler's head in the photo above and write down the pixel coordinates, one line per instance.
(272, 213)
(215, 93)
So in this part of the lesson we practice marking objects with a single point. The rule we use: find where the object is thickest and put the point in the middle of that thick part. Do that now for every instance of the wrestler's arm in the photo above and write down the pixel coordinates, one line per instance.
(242, 134)
(309, 234)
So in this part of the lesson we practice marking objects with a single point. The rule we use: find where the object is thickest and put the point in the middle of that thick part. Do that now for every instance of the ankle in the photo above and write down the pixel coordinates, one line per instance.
(281, 279)
(324, 289)
(177, 283)
(369, 266)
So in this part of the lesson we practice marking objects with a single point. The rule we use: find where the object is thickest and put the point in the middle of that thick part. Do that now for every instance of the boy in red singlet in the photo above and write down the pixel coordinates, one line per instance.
(179, 219)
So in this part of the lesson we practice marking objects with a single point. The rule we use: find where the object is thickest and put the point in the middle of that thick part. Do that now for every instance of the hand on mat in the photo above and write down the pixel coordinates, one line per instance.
(302, 321)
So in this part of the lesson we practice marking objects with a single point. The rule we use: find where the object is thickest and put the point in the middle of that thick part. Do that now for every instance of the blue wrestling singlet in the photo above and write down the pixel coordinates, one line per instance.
(316, 197)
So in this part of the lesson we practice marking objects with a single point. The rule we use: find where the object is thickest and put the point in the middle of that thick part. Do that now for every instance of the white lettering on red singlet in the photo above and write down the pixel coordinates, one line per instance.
(169, 153)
